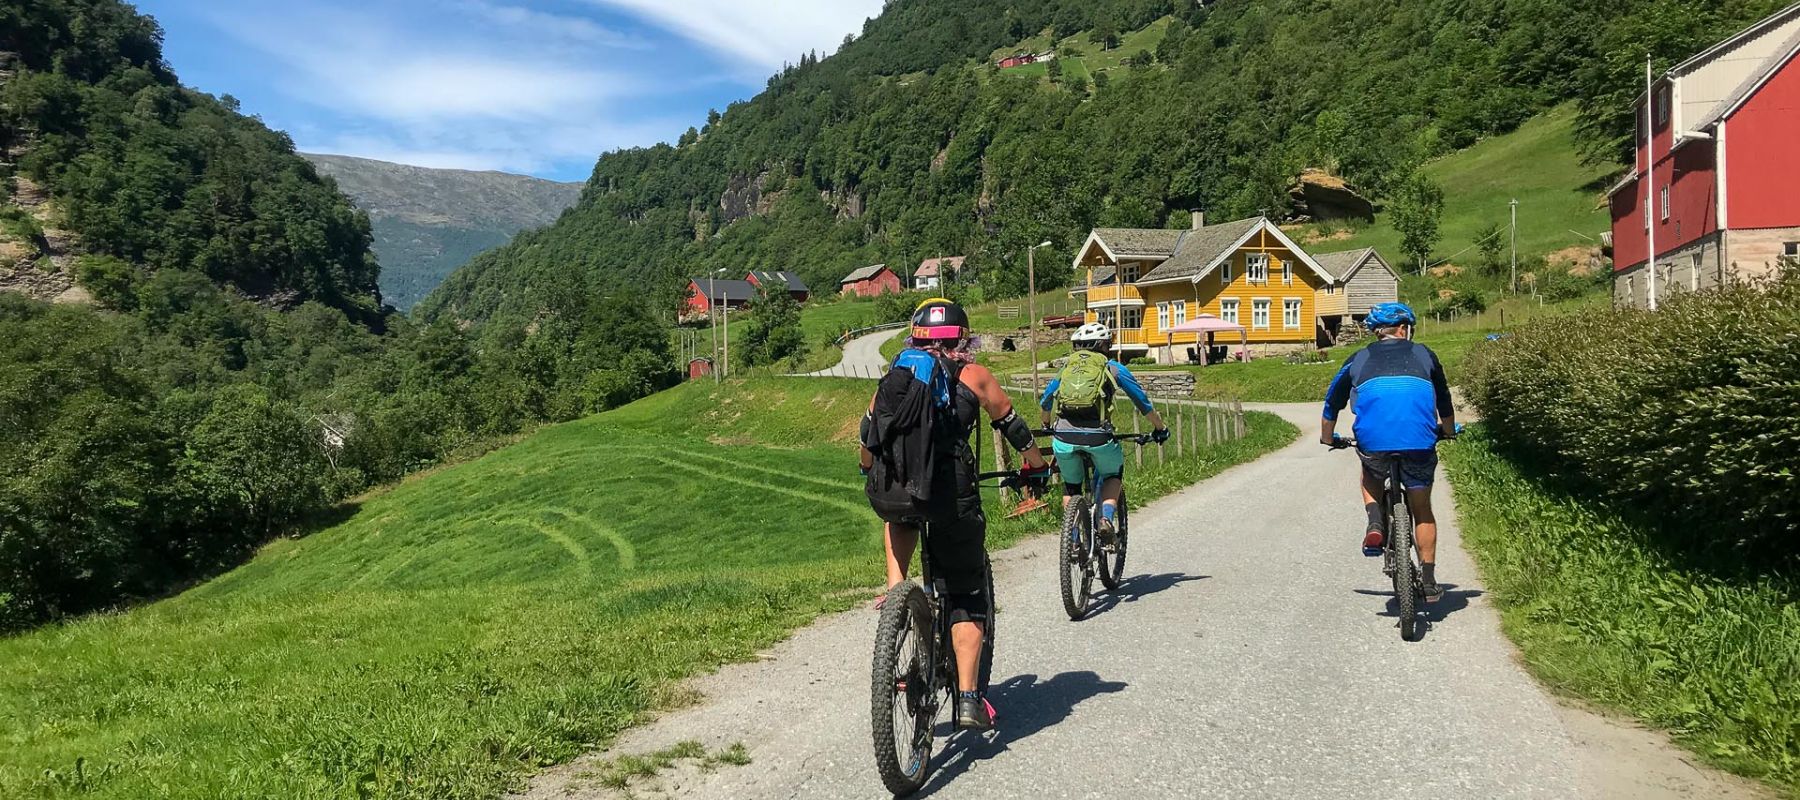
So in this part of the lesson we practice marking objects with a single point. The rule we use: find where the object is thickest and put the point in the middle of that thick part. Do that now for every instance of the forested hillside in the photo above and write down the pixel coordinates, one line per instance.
(428, 222)
(908, 143)
(231, 373)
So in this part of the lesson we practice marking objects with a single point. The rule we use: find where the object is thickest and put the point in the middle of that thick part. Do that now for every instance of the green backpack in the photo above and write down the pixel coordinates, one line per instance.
(1085, 387)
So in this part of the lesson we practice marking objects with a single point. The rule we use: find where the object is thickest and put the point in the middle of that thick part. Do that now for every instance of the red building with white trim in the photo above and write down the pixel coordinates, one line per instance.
(1718, 178)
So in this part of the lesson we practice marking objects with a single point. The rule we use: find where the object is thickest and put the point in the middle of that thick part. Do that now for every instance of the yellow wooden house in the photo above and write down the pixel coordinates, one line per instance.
(1141, 282)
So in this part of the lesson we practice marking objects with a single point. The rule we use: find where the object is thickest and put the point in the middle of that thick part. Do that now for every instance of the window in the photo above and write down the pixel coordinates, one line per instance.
(1259, 314)
(1791, 249)
(1225, 272)
(1178, 310)
(1662, 106)
(1162, 316)
(1665, 204)
(1129, 272)
(1134, 318)
(1287, 272)
(1228, 310)
(1290, 314)
(1257, 268)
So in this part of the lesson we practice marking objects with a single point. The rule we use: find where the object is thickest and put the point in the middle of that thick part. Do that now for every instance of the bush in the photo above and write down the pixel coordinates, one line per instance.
(1689, 415)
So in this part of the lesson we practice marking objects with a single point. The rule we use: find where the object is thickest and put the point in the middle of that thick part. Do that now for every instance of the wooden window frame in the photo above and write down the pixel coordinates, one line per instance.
(1225, 272)
(1250, 269)
(1299, 309)
(1230, 316)
(1162, 316)
(1177, 312)
(1267, 307)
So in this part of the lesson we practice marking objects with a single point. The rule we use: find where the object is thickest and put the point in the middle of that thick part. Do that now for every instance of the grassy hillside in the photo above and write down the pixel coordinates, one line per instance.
(476, 622)
(1560, 202)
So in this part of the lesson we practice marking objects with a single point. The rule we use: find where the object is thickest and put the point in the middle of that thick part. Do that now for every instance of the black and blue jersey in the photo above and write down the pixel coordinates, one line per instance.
(1401, 394)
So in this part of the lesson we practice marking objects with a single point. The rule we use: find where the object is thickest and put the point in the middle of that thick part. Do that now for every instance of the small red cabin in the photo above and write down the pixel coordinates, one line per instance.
(699, 368)
(871, 281)
(705, 294)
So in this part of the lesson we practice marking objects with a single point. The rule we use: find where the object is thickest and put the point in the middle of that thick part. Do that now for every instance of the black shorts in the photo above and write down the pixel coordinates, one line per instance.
(957, 548)
(1418, 468)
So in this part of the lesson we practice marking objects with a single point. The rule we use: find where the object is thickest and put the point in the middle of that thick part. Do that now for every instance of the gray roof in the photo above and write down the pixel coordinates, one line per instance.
(863, 274)
(1200, 248)
(1752, 83)
(772, 278)
(731, 291)
(1344, 262)
(1141, 241)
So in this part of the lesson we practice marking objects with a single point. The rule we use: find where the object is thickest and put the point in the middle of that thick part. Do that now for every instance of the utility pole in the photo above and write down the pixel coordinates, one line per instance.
(1649, 180)
(712, 325)
(1031, 306)
(1515, 245)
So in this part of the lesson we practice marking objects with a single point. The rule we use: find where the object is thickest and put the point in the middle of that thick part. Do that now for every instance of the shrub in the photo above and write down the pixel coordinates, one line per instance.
(1689, 415)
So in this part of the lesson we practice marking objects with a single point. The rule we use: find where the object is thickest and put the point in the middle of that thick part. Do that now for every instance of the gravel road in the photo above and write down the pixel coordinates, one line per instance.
(862, 357)
(1252, 654)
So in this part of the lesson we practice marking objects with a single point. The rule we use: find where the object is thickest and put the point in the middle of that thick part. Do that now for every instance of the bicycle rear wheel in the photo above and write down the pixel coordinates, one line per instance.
(1073, 553)
(903, 689)
(987, 644)
(1112, 562)
(1406, 572)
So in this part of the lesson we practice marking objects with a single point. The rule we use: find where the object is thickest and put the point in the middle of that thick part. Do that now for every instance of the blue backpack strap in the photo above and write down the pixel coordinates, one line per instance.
(926, 368)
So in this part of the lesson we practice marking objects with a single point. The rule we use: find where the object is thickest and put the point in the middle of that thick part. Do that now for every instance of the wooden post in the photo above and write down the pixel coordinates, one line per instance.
(1137, 428)
(1238, 412)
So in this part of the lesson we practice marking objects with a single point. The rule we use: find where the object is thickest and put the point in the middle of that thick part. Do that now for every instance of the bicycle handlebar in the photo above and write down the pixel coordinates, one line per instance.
(1140, 438)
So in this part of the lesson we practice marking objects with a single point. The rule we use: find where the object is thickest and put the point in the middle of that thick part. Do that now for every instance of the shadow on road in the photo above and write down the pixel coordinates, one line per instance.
(1026, 705)
(1138, 587)
(1454, 600)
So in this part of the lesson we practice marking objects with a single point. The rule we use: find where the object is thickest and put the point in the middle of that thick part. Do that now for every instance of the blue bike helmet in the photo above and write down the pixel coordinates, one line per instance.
(1388, 315)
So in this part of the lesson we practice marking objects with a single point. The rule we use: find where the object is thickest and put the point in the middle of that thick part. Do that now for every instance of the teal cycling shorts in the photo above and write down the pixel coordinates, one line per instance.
(1109, 460)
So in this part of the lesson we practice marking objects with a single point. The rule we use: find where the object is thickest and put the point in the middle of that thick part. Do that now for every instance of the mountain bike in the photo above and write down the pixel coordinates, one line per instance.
(1398, 560)
(1082, 555)
(914, 674)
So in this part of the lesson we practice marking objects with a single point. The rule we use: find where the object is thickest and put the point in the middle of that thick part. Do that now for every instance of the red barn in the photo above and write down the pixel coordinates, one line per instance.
(1713, 182)
(704, 294)
(1019, 60)
(796, 288)
(871, 281)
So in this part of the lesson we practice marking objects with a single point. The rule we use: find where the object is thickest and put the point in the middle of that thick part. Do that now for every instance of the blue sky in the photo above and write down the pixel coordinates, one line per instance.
(540, 87)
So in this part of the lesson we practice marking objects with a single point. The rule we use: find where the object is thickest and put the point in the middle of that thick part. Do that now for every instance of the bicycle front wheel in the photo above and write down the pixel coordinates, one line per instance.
(903, 694)
(1112, 562)
(1073, 557)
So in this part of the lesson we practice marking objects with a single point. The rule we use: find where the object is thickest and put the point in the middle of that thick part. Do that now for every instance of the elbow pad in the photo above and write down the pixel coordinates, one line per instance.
(1017, 433)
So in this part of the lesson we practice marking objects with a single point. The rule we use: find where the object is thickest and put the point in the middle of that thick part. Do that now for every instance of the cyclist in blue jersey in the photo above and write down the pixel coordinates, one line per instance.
(1081, 398)
(1402, 406)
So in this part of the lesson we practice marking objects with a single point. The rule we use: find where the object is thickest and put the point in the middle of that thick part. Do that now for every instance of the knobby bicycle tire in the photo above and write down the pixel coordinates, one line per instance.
(1112, 566)
(1072, 557)
(906, 614)
(1406, 572)
(987, 644)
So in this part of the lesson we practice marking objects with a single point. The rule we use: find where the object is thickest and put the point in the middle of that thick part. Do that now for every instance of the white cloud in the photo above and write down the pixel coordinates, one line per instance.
(765, 33)
(550, 26)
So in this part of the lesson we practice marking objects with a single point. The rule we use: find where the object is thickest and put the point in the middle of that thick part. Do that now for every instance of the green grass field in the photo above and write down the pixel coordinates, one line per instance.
(1600, 611)
(473, 623)
(1560, 203)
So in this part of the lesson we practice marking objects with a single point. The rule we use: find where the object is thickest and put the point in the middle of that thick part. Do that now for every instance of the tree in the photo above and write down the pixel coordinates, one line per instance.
(1417, 206)
(772, 334)
(1054, 69)
(1106, 33)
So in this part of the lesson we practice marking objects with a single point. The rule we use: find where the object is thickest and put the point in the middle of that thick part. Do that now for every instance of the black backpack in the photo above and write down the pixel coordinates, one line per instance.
(912, 427)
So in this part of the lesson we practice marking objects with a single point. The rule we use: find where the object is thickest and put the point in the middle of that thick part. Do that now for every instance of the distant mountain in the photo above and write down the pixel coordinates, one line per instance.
(428, 222)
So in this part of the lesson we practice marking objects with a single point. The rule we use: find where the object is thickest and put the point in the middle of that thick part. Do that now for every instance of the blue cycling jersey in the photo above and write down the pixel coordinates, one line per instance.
(1401, 393)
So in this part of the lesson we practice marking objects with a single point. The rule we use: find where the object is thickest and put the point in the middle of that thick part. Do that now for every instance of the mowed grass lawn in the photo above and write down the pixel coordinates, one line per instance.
(473, 623)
